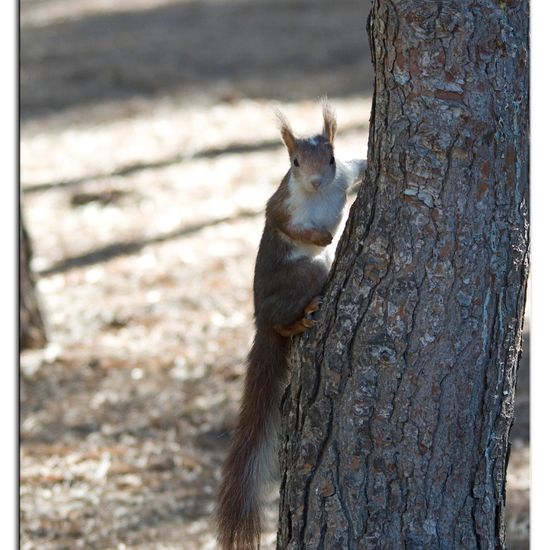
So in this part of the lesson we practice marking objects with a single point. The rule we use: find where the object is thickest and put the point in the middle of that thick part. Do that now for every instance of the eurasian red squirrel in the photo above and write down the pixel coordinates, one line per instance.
(291, 269)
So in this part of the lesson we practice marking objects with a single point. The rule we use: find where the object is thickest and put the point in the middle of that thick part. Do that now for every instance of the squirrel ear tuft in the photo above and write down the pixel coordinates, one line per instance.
(286, 131)
(329, 120)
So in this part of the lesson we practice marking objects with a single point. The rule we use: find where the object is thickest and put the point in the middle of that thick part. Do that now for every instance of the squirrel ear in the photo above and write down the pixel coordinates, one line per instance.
(329, 119)
(286, 131)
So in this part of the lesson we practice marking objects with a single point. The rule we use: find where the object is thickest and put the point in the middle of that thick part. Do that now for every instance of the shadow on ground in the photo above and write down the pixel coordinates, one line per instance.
(286, 50)
(116, 473)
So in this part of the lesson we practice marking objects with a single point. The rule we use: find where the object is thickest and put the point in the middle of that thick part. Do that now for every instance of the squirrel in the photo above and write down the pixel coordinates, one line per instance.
(292, 266)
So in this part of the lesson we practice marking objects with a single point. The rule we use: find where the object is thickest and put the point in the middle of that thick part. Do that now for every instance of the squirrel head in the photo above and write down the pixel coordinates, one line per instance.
(312, 161)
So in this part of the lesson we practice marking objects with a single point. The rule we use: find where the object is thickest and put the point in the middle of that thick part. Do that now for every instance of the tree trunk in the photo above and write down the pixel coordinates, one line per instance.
(32, 333)
(395, 425)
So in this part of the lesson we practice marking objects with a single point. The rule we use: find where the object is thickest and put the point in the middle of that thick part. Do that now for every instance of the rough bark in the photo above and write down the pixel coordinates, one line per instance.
(32, 333)
(396, 422)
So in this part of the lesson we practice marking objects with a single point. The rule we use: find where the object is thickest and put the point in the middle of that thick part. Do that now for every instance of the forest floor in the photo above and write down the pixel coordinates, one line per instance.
(144, 179)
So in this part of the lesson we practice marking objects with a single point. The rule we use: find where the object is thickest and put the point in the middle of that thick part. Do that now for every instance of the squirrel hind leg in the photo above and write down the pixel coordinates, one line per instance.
(294, 328)
(313, 306)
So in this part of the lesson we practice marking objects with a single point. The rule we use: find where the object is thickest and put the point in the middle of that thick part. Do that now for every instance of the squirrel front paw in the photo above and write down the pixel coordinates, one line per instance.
(320, 238)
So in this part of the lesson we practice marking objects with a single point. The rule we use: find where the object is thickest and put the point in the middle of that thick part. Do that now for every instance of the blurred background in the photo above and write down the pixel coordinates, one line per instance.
(148, 151)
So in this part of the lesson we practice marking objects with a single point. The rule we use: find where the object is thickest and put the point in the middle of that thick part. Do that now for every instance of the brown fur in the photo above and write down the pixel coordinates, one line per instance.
(283, 293)
(277, 211)
(286, 131)
(239, 514)
(286, 293)
(301, 325)
(329, 122)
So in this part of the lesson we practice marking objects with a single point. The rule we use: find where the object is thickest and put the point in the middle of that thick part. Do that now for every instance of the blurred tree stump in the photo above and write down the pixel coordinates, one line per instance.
(32, 332)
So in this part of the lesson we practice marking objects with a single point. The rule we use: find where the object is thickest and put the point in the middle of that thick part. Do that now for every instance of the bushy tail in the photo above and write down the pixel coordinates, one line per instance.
(252, 459)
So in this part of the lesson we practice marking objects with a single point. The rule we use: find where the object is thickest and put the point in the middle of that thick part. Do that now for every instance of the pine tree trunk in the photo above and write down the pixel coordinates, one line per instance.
(32, 333)
(396, 422)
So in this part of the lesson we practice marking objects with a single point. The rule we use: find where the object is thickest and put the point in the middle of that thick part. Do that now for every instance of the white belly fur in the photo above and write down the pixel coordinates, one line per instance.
(322, 210)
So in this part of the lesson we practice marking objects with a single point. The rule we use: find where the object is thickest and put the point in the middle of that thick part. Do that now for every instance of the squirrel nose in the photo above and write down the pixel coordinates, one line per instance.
(316, 183)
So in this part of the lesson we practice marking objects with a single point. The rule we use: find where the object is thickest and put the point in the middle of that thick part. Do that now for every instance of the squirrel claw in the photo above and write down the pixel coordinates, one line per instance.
(308, 322)
(312, 307)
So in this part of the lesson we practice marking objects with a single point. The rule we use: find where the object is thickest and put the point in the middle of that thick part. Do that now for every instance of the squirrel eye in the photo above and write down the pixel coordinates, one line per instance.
(296, 163)
(332, 160)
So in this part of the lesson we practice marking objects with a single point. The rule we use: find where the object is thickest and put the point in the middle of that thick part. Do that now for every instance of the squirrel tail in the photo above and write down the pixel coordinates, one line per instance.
(252, 459)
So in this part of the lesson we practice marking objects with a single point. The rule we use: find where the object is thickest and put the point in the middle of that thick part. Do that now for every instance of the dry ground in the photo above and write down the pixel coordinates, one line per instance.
(148, 149)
